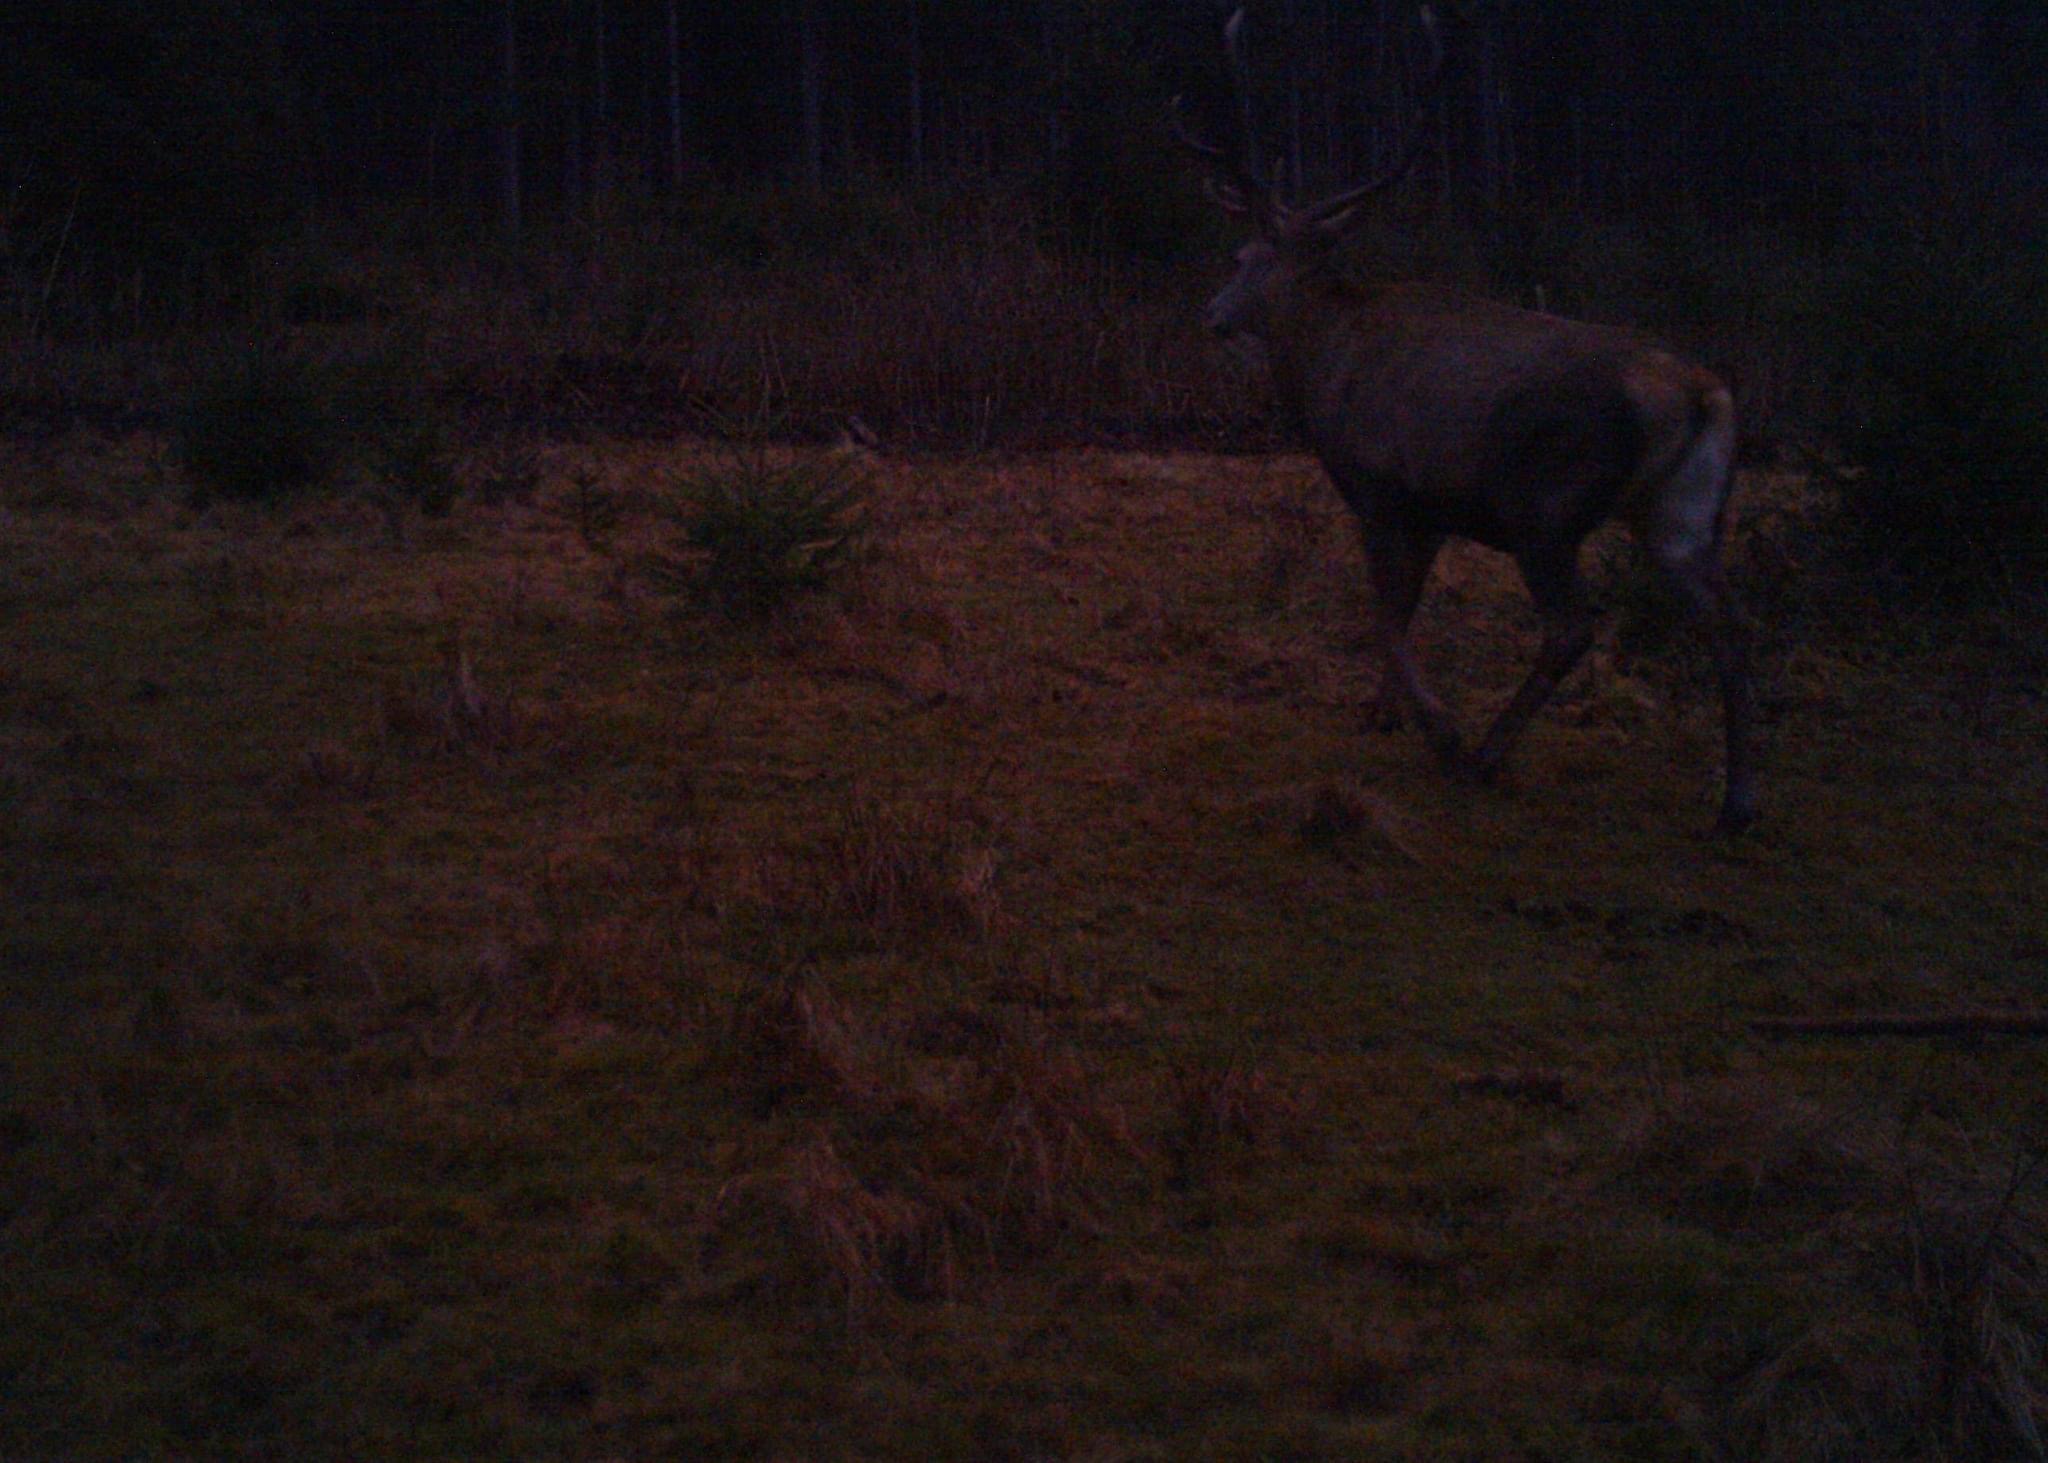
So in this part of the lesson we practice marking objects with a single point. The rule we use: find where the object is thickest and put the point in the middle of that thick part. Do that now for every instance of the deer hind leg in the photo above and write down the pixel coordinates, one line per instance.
(1699, 581)
(1552, 575)
(1399, 561)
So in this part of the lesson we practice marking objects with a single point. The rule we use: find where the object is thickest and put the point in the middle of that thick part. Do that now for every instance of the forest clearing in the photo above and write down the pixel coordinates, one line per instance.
(691, 754)
(465, 999)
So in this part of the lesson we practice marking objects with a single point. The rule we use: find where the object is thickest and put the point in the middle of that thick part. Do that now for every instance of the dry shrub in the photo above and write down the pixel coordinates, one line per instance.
(259, 425)
(967, 337)
(905, 867)
(1925, 1282)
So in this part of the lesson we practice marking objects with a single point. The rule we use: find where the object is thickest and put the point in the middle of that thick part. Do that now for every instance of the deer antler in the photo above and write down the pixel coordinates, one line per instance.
(1332, 213)
(1234, 189)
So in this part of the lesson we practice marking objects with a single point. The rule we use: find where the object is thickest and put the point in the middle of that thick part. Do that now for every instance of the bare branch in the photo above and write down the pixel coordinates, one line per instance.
(1924, 1023)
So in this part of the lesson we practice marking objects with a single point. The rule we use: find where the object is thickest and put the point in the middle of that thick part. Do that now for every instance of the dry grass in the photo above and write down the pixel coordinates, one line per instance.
(1915, 1330)
(454, 713)
(792, 1036)
(1005, 1005)
(994, 1158)
(849, 1239)
(910, 868)
(1219, 1108)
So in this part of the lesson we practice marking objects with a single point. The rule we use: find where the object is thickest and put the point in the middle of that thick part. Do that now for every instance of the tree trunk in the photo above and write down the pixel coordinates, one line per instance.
(1487, 83)
(916, 47)
(509, 202)
(811, 42)
(1294, 98)
(1055, 104)
(600, 122)
(675, 99)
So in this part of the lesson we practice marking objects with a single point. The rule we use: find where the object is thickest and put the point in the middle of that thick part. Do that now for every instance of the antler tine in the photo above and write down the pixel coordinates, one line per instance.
(1177, 118)
(1236, 190)
(1235, 184)
(1241, 82)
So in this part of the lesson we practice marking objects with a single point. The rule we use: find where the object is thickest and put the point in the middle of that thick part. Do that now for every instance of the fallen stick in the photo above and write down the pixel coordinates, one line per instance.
(1941, 1023)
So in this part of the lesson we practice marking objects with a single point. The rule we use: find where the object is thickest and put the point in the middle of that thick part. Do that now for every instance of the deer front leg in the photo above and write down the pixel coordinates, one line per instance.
(1399, 562)
(1553, 578)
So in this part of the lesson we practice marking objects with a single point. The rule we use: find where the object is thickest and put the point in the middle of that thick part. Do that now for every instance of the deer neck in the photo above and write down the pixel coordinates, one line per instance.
(1309, 333)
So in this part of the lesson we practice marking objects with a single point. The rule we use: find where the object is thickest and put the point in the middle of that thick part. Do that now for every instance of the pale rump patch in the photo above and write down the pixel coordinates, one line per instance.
(1687, 507)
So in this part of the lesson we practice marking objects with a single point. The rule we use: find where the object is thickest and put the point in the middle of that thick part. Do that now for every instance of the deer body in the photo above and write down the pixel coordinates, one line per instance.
(1437, 415)
(1499, 425)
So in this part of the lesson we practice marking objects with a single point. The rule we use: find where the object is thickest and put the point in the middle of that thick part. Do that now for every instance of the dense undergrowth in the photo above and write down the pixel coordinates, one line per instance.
(1906, 357)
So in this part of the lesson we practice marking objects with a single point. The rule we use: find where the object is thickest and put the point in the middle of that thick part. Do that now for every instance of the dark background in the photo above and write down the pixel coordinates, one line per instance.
(195, 124)
(969, 225)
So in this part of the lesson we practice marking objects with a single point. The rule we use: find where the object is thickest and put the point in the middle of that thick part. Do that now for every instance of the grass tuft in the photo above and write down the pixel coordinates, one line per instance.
(852, 1234)
(1926, 1285)
(907, 867)
(455, 713)
(795, 1036)
(1046, 1141)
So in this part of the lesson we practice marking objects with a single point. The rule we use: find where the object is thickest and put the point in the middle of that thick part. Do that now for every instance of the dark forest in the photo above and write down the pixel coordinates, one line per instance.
(199, 119)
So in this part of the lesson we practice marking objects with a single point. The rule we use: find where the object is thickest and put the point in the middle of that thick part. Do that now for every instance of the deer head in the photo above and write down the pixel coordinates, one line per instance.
(1291, 241)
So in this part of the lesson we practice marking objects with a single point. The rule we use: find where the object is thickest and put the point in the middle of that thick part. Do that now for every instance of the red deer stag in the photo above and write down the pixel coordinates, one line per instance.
(1439, 414)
